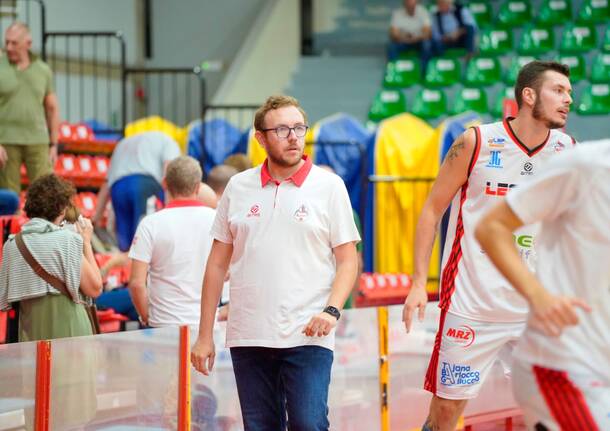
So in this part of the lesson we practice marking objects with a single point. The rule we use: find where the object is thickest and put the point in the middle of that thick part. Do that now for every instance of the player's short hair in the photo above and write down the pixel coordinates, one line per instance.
(272, 103)
(219, 177)
(183, 176)
(531, 75)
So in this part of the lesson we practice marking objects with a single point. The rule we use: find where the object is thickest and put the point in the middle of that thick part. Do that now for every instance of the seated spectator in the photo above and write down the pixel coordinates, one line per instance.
(170, 251)
(453, 26)
(219, 177)
(135, 174)
(410, 30)
(44, 312)
(239, 161)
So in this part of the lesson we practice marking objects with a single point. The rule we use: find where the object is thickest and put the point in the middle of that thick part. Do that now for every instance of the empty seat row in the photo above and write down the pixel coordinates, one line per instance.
(513, 13)
(484, 71)
(430, 103)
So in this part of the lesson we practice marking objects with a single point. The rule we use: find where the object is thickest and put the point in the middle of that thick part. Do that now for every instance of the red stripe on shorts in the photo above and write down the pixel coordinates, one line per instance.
(431, 374)
(565, 401)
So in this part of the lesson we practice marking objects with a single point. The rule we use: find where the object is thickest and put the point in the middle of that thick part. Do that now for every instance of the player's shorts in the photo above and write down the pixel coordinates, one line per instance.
(559, 400)
(464, 353)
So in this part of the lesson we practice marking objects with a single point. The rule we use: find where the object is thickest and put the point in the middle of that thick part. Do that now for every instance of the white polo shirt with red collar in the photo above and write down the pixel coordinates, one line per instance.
(282, 267)
(175, 242)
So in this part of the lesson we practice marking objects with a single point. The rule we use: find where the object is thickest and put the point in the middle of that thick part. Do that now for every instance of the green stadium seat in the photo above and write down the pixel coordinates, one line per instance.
(402, 73)
(594, 11)
(600, 70)
(483, 71)
(497, 109)
(495, 41)
(454, 53)
(554, 12)
(386, 104)
(595, 100)
(516, 64)
(578, 38)
(515, 13)
(606, 42)
(442, 72)
(481, 11)
(470, 99)
(577, 65)
(430, 103)
(536, 40)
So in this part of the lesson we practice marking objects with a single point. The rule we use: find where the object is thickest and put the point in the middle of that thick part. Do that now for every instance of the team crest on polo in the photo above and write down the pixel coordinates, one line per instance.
(301, 213)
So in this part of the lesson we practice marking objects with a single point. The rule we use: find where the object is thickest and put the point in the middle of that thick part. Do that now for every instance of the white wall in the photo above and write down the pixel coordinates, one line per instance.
(267, 58)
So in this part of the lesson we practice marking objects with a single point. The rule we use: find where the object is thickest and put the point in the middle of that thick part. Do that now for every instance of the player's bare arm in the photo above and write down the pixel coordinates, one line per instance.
(495, 234)
(452, 175)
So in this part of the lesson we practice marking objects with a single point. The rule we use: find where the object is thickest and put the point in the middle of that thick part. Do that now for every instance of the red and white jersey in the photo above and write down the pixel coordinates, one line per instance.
(470, 285)
(572, 198)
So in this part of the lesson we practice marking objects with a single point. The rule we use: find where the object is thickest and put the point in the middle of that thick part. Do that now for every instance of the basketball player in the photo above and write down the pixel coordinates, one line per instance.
(561, 377)
(482, 315)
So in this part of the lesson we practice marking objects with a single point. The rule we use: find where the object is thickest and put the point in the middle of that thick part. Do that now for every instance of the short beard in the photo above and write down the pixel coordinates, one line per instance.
(283, 163)
(537, 114)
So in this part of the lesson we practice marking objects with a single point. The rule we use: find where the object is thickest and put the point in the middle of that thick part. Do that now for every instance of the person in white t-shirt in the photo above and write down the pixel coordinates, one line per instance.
(561, 377)
(411, 30)
(287, 231)
(170, 250)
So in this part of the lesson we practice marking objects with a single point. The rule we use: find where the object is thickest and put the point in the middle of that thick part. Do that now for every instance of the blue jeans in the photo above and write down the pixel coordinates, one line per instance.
(129, 196)
(466, 41)
(274, 382)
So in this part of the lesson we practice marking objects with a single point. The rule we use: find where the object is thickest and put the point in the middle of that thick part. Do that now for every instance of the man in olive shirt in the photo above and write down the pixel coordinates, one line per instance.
(29, 113)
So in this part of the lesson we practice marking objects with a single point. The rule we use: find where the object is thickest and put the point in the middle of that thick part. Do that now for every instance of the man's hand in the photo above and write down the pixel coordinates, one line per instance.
(223, 313)
(3, 157)
(416, 300)
(320, 325)
(202, 356)
(53, 155)
(552, 313)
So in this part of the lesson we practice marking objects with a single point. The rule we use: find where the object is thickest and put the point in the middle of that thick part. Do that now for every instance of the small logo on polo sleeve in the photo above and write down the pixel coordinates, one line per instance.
(301, 213)
(255, 211)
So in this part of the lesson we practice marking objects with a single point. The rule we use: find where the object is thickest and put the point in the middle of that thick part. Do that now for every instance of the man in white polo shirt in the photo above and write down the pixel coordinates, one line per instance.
(561, 377)
(170, 249)
(287, 230)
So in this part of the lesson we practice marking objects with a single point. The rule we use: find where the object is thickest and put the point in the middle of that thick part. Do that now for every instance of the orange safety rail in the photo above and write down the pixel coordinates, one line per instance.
(382, 289)
(3, 326)
(43, 386)
(184, 381)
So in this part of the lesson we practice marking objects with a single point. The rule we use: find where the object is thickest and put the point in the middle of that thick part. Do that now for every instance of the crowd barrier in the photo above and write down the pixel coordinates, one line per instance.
(133, 380)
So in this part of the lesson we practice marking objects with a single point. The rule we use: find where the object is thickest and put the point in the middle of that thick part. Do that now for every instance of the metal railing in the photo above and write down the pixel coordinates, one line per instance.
(89, 69)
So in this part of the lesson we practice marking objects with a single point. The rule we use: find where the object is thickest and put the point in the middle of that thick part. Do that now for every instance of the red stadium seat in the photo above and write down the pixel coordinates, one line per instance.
(382, 289)
(110, 321)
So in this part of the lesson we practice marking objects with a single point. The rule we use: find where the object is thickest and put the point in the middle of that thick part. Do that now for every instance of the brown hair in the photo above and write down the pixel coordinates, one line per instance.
(183, 176)
(275, 102)
(48, 196)
(219, 177)
(531, 75)
(239, 161)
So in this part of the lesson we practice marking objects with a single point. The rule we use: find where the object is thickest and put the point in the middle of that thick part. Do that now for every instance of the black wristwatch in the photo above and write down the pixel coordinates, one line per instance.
(333, 311)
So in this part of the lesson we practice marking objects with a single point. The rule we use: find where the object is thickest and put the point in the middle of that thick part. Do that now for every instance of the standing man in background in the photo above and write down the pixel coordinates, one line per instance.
(170, 250)
(29, 112)
(136, 170)
(286, 229)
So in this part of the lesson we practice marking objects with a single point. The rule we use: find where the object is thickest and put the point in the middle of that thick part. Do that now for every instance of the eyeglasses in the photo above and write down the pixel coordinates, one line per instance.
(284, 131)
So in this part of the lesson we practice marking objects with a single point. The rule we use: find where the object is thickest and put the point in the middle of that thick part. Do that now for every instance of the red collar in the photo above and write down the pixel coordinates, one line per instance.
(178, 203)
(298, 178)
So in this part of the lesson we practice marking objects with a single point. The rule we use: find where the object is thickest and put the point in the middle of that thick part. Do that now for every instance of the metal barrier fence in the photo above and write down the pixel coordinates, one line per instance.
(31, 12)
(89, 69)
(175, 94)
(398, 203)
